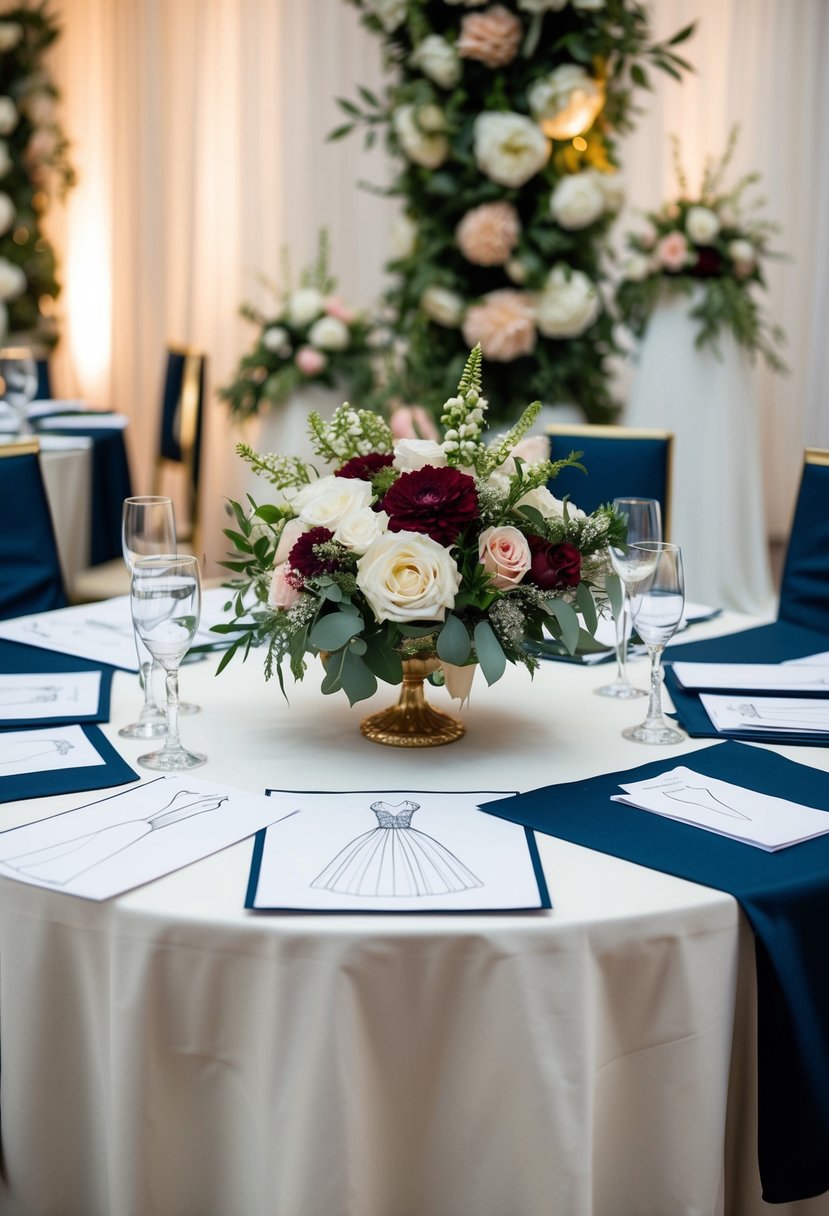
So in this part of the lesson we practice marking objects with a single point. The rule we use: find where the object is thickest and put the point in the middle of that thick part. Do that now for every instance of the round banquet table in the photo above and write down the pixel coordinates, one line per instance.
(168, 1053)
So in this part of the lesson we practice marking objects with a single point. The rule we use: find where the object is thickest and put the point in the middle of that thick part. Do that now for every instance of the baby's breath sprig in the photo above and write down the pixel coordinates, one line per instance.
(280, 470)
(349, 433)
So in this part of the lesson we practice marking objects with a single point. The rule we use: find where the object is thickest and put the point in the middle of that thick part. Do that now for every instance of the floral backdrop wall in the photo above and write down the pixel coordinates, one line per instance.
(504, 120)
(33, 163)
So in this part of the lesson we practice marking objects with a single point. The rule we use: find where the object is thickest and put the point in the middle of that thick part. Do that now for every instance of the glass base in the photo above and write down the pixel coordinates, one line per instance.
(657, 732)
(187, 707)
(172, 762)
(151, 728)
(621, 690)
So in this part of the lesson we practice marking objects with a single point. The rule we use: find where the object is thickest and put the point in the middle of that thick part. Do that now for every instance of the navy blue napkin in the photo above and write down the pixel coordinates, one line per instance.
(114, 771)
(18, 659)
(775, 643)
(784, 895)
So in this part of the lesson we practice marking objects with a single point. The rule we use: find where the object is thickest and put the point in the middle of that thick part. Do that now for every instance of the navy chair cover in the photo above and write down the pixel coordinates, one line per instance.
(620, 463)
(804, 591)
(180, 438)
(44, 380)
(30, 575)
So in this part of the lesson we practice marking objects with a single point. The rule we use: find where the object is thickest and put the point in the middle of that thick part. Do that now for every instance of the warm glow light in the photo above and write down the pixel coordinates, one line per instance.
(578, 115)
(21, 236)
(580, 144)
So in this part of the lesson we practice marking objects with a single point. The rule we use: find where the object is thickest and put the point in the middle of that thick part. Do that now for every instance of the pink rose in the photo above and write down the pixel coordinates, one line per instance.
(412, 422)
(288, 537)
(310, 361)
(282, 594)
(672, 251)
(335, 307)
(505, 555)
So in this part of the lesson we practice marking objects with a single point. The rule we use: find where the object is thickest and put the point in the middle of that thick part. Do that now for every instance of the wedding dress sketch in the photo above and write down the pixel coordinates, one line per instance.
(395, 859)
(15, 751)
(63, 862)
(700, 795)
(34, 694)
(794, 715)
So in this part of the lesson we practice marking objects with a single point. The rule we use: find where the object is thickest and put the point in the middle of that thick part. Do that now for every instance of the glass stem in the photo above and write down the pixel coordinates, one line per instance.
(146, 677)
(654, 714)
(622, 634)
(172, 743)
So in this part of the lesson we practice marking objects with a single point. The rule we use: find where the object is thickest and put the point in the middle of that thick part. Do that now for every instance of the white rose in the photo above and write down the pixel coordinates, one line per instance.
(589, 5)
(10, 34)
(288, 537)
(555, 91)
(407, 576)
(636, 268)
(325, 503)
(438, 60)
(359, 530)
(509, 148)
(12, 280)
(611, 187)
(743, 253)
(568, 305)
(5, 159)
(304, 305)
(423, 143)
(7, 213)
(403, 237)
(443, 306)
(577, 201)
(411, 454)
(277, 339)
(541, 6)
(391, 13)
(8, 116)
(329, 333)
(702, 225)
(39, 106)
(548, 506)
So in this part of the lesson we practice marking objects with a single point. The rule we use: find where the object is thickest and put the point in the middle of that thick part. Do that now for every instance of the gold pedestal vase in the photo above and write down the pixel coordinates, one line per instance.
(412, 722)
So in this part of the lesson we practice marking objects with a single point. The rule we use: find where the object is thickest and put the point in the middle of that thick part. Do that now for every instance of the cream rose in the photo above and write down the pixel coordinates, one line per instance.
(577, 201)
(12, 280)
(555, 91)
(442, 306)
(505, 555)
(391, 13)
(325, 503)
(288, 537)
(305, 305)
(411, 454)
(407, 576)
(743, 255)
(702, 225)
(509, 148)
(329, 333)
(403, 237)
(421, 136)
(358, 531)
(548, 506)
(8, 115)
(636, 268)
(277, 339)
(438, 60)
(281, 593)
(568, 305)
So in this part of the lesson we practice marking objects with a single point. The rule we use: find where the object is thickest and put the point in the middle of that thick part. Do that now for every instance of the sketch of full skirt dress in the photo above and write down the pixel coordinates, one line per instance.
(395, 859)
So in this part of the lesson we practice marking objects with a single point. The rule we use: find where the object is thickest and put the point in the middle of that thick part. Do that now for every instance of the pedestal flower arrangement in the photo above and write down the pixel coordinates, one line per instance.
(414, 559)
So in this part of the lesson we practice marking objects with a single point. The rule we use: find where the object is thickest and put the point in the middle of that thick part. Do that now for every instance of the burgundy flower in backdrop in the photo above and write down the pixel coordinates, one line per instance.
(708, 263)
(439, 502)
(553, 566)
(304, 563)
(365, 467)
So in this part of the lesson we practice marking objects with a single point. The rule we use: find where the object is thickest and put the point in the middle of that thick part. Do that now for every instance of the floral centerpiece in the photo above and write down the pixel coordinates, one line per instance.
(503, 120)
(446, 555)
(309, 336)
(710, 245)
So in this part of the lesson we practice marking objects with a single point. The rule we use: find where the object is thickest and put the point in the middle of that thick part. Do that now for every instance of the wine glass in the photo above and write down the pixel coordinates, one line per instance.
(643, 517)
(18, 373)
(657, 605)
(165, 598)
(148, 527)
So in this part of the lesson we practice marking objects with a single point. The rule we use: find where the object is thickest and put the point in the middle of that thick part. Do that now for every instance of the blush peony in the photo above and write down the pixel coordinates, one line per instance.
(504, 324)
(488, 234)
(492, 37)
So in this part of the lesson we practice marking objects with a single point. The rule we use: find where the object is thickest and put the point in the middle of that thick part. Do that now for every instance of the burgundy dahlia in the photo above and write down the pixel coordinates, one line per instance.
(709, 263)
(553, 566)
(303, 560)
(365, 467)
(438, 502)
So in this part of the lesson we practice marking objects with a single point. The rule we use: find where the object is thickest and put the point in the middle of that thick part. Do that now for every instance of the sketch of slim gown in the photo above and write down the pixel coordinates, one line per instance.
(63, 862)
(395, 859)
(31, 694)
(700, 795)
(15, 751)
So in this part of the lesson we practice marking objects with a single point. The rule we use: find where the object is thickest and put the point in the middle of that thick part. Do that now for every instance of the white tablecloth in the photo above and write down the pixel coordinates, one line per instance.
(66, 464)
(168, 1053)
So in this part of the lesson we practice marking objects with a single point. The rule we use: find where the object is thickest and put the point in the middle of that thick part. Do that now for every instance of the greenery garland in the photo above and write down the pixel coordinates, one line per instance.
(34, 161)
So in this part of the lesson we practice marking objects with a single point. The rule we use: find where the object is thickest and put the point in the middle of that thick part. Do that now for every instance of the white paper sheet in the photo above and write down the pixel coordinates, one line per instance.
(91, 420)
(42, 751)
(402, 851)
(729, 810)
(49, 695)
(101, 849)
(742, 710)
(44, 406)
(754, 677)
(820, 660)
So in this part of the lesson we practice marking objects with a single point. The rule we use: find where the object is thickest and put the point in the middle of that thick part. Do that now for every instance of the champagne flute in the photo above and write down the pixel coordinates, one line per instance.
(165, 598)
(657, 605)
(643, 517)
(18, 373)
(148, 527)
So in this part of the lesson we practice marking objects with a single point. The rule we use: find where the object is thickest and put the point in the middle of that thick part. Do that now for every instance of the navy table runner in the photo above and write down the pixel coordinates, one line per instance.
(785, 897)
(114, 771)
(21, 660)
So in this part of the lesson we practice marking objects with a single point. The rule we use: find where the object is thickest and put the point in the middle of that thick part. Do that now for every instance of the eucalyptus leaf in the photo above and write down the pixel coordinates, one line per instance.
(386, 664)
(357, 679)
(587, 607)
(334, 630)
(454, 644)
(568, 622)
(615, 594)
(491, 657)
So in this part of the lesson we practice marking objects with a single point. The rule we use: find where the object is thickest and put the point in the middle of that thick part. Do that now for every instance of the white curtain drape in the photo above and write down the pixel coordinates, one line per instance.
(199, 135)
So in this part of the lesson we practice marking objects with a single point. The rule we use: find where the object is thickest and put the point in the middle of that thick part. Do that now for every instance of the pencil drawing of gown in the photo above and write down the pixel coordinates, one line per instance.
(395, 859)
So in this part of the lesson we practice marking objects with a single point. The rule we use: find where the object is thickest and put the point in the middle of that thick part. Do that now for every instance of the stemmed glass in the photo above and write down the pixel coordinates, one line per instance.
(148, 527)
(656, 607)
(643, 517)
(165, 598)
(18, 373)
